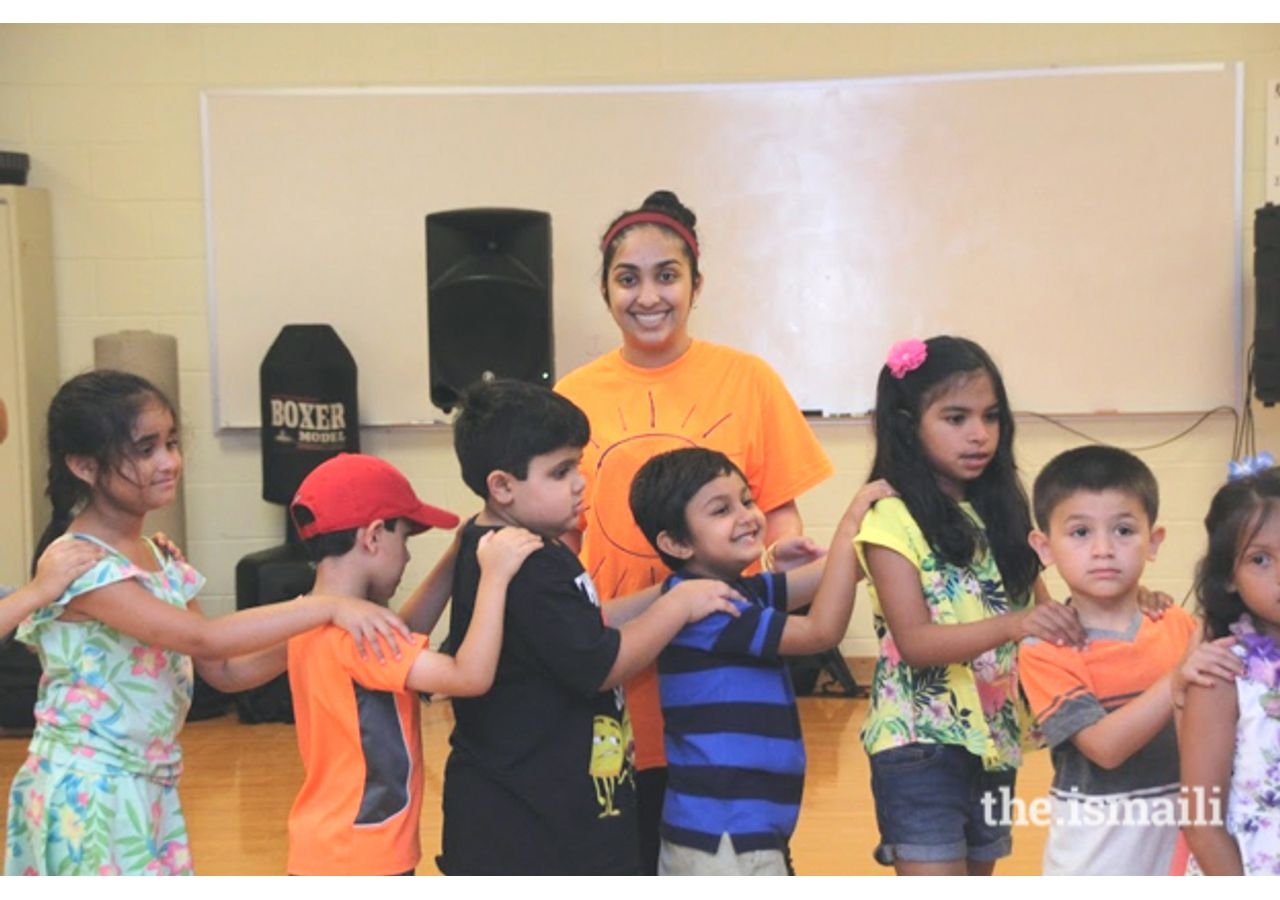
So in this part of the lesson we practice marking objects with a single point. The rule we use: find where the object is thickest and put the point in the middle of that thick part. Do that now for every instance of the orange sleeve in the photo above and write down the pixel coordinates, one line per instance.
(368, 671)
(788, 459)
(1050, 677)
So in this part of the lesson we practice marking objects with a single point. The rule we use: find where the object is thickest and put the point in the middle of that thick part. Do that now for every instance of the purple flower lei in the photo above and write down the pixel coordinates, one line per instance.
(1249, 466)
(1261, 661)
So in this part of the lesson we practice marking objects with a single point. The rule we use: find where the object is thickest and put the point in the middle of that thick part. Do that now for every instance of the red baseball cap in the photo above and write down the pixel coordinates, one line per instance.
(353, 489)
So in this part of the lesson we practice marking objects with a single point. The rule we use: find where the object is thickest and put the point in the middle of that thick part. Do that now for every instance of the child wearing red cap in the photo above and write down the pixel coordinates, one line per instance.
(358, 720)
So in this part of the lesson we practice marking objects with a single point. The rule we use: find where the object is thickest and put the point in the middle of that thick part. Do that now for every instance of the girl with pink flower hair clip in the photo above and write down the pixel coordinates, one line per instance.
(954, 587)
(1229, 730)
(116, 624)
(906, 356)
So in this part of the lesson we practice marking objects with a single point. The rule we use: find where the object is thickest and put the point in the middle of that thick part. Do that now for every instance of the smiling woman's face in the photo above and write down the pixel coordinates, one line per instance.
(650, 291)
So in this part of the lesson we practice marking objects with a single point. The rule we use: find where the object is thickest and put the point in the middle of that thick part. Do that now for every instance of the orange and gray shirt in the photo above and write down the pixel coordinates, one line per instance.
(1069, 689)
(359, 734)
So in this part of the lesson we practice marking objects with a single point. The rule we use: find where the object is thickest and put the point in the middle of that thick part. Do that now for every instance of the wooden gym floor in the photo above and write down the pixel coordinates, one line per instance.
(240, 781)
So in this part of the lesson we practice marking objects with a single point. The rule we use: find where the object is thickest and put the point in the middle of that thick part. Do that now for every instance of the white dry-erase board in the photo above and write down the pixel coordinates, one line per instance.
(1082, 224)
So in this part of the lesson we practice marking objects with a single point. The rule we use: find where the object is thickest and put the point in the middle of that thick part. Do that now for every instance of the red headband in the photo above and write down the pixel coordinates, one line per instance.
(652, 218)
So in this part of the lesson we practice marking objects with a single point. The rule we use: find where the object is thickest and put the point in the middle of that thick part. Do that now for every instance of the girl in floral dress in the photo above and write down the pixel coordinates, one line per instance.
(952, 579)
(98, 791)
(1229, 733)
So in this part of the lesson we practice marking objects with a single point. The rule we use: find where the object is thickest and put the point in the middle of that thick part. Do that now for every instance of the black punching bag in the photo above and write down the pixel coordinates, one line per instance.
(307, 384)
(309, 410)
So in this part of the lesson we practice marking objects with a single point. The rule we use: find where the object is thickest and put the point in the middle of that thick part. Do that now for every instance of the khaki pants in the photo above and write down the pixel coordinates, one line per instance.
(674, 859)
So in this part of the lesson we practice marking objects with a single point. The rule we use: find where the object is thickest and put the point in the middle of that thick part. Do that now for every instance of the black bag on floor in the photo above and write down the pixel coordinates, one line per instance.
(19, 676)
(207, 702)
(269, 576)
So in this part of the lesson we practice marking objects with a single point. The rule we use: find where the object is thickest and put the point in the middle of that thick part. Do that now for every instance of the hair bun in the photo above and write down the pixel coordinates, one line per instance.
(669, 203)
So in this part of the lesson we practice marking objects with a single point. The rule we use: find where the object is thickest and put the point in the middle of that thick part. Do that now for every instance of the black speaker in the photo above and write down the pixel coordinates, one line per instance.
(1266, 322)
(488, 299)
(269, 576)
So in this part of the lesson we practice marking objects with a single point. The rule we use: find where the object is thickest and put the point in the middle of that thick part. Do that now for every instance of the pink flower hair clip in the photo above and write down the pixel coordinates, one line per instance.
(906, 356)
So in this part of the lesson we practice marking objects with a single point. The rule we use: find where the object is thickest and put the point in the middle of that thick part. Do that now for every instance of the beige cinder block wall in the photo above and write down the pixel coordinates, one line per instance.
(110, 115)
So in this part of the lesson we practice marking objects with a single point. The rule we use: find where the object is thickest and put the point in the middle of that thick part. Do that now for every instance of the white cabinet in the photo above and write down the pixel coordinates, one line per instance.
(28, 371)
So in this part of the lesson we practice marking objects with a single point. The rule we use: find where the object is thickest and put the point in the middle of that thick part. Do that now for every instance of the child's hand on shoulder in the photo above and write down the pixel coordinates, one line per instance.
(1054, 622)
(704, 596)
(792, 552)
(861, 504)
(370, 625)
(167, 546)
(1207, 664)
(62, 563)
(503, 552)
(1153, 603)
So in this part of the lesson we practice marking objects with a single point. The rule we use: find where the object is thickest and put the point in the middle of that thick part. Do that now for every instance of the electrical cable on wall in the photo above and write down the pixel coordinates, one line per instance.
(1204, 416)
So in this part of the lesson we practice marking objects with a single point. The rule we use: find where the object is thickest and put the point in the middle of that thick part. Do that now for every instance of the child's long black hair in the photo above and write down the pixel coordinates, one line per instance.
(997, 494)
(1237, 512)
(91, 415)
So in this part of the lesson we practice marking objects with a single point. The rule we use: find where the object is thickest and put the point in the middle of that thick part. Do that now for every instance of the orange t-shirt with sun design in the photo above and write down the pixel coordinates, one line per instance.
(712, 396)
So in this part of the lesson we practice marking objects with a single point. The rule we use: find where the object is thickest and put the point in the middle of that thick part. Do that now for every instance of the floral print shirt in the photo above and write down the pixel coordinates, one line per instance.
(106, 699)
(1253, 806)
(976, 705)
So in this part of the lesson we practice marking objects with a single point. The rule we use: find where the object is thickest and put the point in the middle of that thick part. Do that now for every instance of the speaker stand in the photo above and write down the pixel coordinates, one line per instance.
(833, 663)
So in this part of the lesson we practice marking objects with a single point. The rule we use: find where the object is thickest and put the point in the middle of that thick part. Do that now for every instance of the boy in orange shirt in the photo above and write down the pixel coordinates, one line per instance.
(1106, 710)
(358, 718)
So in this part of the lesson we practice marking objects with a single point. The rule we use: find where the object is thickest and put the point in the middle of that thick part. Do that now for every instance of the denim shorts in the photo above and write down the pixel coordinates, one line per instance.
(929, 805)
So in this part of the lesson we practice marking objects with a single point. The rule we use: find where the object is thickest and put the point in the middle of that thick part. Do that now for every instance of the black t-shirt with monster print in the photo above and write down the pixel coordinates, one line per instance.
(540, 778)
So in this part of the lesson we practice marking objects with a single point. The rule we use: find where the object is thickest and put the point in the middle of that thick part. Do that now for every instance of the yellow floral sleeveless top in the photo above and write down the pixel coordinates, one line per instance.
(976, 705)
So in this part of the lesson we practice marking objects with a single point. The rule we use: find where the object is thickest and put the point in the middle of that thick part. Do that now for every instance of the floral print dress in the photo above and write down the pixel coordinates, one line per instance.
(98, 791)
(976, 705)
(1253, 806)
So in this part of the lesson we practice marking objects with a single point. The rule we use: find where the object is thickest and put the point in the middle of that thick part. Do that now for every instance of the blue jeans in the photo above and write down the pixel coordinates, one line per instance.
(929, 805)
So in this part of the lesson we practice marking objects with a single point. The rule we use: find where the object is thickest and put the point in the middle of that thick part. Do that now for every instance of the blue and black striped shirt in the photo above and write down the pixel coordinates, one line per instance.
(735, 754)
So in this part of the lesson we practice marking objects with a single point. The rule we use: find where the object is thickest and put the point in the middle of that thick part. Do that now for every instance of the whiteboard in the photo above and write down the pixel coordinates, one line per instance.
(1082, 224)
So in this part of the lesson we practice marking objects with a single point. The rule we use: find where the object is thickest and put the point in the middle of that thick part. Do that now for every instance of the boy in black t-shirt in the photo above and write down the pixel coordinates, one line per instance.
(540, 779)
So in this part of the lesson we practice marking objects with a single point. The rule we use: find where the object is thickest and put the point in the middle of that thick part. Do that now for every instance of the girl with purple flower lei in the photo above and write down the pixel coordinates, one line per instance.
(1229, 740)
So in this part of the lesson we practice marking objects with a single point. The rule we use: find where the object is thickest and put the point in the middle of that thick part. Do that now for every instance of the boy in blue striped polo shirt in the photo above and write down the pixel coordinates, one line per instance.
(735, 754)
